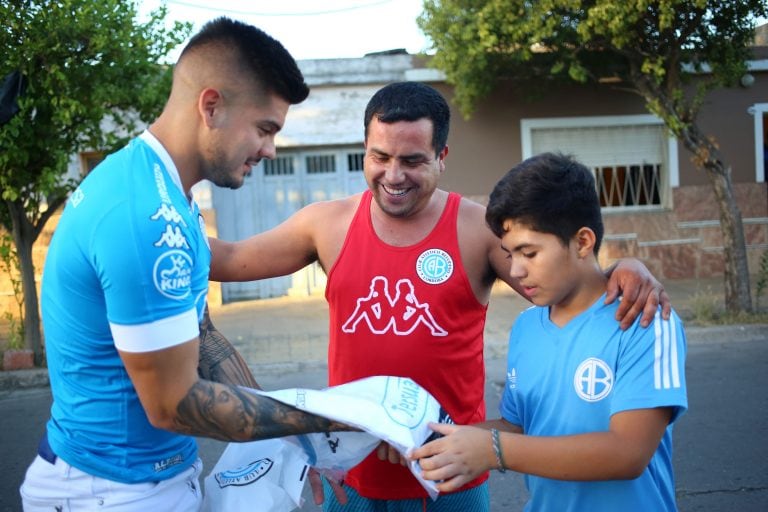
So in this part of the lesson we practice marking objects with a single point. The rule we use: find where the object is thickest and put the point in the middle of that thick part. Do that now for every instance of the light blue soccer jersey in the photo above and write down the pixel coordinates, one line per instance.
(571, 380)
(127, 268)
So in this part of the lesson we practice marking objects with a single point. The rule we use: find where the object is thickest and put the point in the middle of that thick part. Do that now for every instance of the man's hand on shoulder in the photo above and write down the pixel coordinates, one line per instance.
(640, 292)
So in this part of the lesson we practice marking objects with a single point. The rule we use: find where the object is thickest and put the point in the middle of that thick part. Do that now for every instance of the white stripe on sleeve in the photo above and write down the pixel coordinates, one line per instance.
(164, 333)
(657, 352)
(666, 364)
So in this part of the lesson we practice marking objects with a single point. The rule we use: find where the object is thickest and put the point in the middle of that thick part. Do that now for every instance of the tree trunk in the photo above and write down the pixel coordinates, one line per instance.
(24, 236)
(738, 298)
(681, 120)
(32, 334)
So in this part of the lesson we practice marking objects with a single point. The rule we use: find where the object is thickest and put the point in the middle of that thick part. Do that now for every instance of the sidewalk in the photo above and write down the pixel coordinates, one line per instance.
(287, 334)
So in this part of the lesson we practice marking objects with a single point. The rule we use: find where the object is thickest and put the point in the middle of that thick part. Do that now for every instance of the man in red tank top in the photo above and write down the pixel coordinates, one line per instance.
(410, 269)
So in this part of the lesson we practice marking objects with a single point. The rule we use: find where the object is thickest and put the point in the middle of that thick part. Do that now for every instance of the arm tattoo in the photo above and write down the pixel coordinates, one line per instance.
(215, 407)
(228, 413)
(219, 360)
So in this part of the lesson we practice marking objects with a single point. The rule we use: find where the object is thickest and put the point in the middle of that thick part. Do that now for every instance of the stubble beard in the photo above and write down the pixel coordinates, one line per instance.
(222, 173)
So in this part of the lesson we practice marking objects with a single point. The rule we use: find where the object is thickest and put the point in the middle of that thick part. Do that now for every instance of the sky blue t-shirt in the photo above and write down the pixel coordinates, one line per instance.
(127, 268)
(571, 380)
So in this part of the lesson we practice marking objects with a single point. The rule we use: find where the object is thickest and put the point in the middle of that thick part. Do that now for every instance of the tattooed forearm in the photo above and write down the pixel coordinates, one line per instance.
(231, 414)
(219, 361)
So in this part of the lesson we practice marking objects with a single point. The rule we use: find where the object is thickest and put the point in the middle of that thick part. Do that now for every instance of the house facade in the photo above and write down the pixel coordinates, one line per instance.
(657, 205)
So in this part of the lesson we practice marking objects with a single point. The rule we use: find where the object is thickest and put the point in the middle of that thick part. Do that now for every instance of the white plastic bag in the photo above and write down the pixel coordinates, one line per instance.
(270, 474)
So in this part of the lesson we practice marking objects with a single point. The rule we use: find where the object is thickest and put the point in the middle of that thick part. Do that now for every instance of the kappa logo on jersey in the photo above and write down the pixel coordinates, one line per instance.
(173, 238)
(400, 314)
(405, 401)
(245, 475)
(593, 380)
(173, 274)
(434, 266)
(168, 214)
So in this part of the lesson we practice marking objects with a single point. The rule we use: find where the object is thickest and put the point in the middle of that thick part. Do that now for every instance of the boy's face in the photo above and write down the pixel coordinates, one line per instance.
(546, 269)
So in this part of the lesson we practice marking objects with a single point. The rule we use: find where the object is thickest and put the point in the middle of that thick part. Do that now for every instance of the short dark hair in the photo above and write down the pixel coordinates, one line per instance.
(550, 193)
(411, 101)
(265, 58)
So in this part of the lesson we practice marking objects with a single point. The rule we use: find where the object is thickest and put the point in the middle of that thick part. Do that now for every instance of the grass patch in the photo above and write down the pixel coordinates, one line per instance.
(707, 308)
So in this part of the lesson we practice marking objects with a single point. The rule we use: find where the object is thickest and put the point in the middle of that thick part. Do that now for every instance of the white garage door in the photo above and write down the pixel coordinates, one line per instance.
(275, 190)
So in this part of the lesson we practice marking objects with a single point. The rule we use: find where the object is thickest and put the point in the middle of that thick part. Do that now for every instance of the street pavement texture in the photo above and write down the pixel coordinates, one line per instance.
(720, 444)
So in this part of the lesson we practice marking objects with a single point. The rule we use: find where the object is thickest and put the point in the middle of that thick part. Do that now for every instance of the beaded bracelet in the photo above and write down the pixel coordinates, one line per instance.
(497, 450)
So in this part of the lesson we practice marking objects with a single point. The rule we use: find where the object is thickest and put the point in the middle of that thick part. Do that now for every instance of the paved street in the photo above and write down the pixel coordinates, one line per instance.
(721, 444)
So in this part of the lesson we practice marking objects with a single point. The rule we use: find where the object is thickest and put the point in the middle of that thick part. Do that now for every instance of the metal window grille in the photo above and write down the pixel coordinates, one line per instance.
(320, 164)
(280, 166)
(629, 185)
(355, 161)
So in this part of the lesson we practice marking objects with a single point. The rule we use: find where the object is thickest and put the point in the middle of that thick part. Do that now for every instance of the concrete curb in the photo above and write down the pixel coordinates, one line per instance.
(23, 379)
(38, 377)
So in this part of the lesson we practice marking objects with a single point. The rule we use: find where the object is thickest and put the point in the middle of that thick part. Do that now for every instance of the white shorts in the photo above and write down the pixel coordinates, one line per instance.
(62, 487)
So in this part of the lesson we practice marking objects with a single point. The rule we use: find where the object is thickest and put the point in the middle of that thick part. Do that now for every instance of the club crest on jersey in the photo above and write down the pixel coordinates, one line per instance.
(593, 380)
(173, 274)
(434, 266)
(245, 475)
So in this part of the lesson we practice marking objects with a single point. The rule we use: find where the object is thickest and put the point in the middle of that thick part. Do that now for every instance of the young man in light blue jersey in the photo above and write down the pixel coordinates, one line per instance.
(588, 408)
(124, 291)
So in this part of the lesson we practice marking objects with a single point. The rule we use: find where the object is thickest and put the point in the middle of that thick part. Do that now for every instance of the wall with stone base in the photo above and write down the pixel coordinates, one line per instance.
(686, 242)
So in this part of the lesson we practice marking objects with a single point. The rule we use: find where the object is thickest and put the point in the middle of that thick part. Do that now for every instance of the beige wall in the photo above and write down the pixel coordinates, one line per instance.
(487, 145)
(482, 148)
(684, 242)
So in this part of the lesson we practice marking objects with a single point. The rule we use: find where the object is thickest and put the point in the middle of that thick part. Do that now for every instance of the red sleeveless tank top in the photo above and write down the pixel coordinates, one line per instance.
(409, 312)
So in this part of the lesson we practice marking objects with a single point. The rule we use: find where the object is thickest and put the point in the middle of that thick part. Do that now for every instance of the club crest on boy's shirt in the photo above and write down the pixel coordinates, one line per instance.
(593, 380)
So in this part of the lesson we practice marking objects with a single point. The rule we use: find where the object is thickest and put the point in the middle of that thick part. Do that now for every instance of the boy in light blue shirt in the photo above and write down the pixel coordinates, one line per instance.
(588, 409)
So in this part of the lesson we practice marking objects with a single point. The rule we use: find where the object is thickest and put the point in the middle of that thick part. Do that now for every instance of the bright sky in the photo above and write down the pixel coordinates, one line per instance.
(312, 29)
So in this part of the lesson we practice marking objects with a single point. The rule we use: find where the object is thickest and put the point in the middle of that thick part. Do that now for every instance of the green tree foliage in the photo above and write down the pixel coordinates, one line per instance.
(93, 78)
(670, 52)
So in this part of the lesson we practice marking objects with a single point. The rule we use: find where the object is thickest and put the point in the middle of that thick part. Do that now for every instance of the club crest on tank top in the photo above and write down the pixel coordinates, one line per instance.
(434, 266)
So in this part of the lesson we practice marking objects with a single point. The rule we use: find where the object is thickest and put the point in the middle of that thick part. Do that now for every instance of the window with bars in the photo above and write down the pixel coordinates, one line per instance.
(628, 185)
(280, 166)
(320, 164)
(355, 161)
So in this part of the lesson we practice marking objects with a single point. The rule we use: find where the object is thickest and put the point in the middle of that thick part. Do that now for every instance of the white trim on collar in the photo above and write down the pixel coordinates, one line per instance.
(161, 152)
